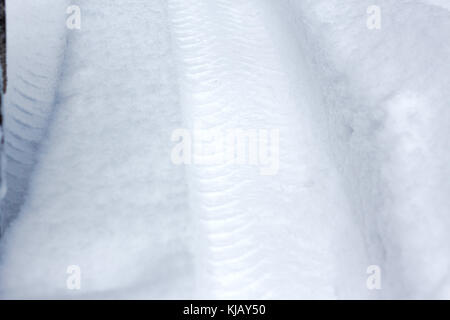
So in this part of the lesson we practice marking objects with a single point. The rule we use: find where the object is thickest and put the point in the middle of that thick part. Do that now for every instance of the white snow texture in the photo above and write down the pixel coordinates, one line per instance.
(363, 117)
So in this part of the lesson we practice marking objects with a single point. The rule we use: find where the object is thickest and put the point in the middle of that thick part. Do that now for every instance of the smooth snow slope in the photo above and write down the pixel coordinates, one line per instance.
(105, 195)
(387, 101)
(363, 122)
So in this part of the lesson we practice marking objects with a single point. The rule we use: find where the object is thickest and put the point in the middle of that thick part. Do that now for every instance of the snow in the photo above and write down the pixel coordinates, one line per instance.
(364, 157)
(105, 198)
(388, 109)
(35, 48)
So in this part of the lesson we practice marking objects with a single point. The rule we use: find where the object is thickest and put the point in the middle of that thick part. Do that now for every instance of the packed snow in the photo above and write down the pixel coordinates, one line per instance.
(358, 181)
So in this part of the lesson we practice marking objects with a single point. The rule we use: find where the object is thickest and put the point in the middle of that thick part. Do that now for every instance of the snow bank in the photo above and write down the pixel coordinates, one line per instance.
(386, 96)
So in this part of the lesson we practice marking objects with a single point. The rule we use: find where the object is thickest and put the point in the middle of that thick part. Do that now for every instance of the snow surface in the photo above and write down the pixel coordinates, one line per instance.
(35, 47)
(363, 117)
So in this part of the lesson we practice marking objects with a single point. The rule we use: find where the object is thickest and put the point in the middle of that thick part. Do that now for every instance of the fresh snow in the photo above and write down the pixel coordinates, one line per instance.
(364, 157)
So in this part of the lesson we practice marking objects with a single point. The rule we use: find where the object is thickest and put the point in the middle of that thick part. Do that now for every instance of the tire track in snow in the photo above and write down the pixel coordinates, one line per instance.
(204, 68)
(36, 44)
(105, 195)
(260, 232)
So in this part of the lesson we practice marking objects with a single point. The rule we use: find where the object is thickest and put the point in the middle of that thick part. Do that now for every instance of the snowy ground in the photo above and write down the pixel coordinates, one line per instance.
(363, 161)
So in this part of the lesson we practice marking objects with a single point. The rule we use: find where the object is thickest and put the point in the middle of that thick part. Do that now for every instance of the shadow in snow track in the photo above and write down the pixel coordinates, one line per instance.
(36, 42)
